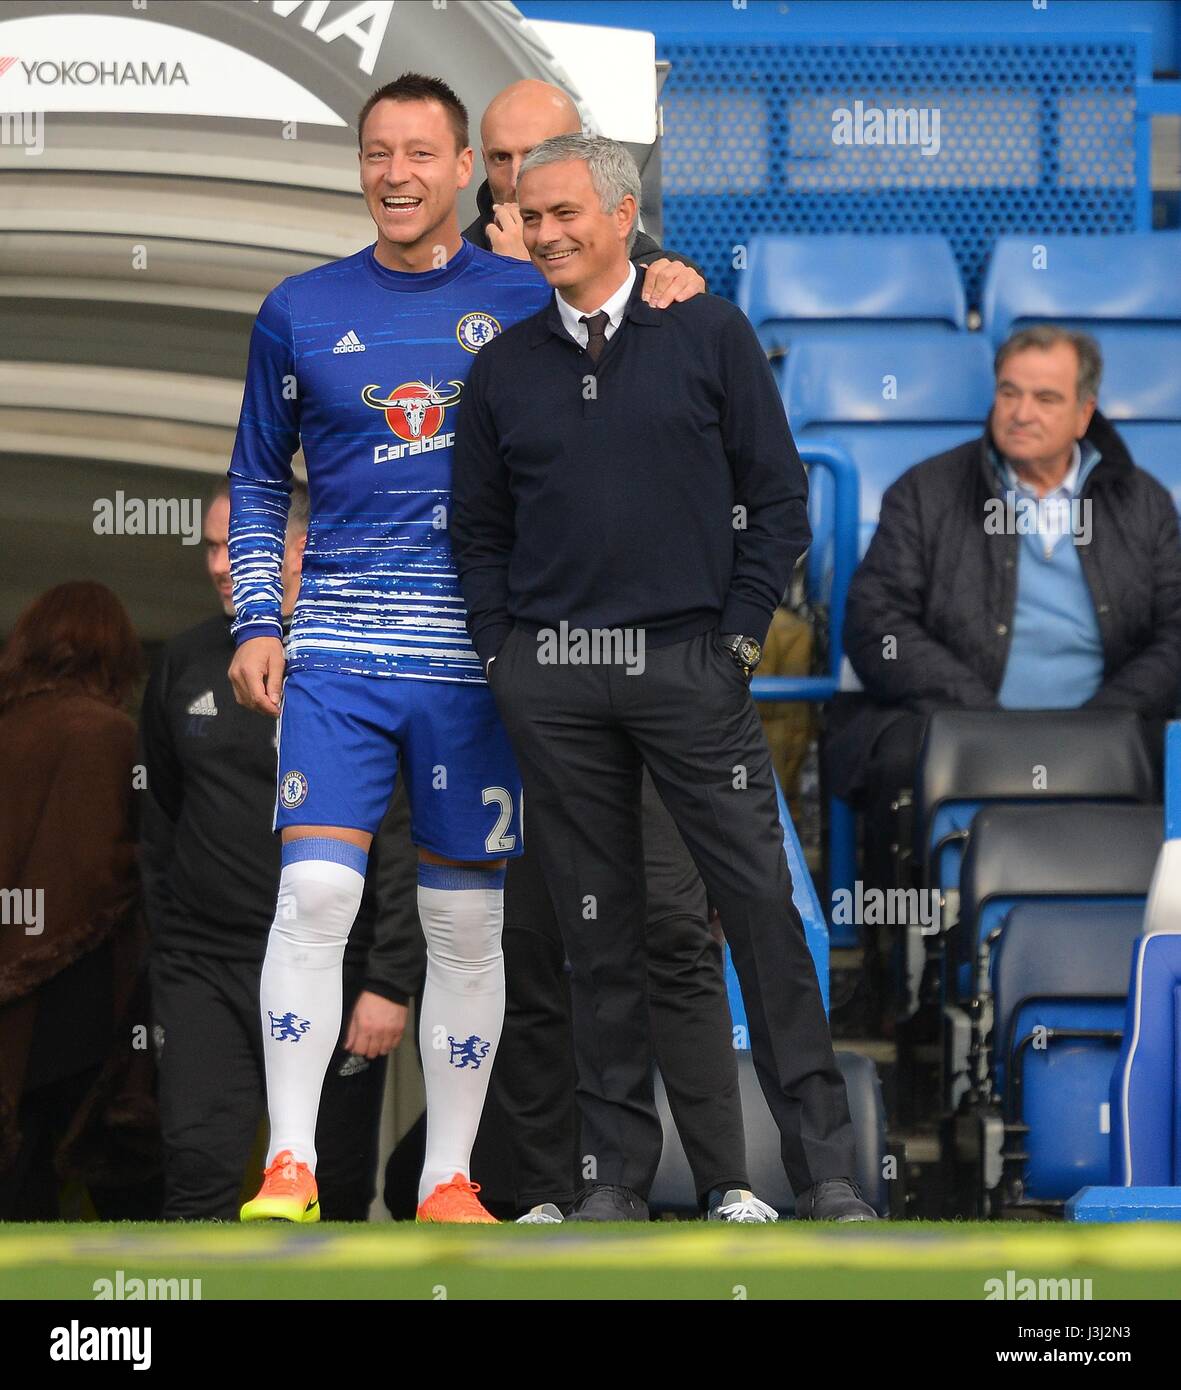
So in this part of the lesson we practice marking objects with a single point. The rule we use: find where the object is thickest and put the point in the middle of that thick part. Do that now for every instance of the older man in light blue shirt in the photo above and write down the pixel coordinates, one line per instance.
(1056, 653)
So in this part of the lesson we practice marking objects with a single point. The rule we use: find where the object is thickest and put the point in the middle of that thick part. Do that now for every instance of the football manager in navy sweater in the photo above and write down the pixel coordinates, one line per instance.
(627, 509)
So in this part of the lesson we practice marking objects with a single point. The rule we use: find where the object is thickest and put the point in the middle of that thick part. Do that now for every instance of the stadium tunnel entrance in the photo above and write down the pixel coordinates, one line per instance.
(163, 167)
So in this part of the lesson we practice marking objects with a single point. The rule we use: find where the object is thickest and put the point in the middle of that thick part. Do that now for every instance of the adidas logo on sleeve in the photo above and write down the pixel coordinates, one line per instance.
(349, 343)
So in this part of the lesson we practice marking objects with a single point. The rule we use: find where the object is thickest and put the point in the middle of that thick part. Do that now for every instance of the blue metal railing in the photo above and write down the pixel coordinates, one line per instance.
(803, 894)
(846, 504)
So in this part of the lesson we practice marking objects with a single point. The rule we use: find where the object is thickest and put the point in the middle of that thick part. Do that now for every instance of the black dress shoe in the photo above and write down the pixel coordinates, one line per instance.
(838, 1199)
(605, 1203)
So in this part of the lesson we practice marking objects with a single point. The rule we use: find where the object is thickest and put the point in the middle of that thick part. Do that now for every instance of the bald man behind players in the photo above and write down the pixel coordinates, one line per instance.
(518, 118)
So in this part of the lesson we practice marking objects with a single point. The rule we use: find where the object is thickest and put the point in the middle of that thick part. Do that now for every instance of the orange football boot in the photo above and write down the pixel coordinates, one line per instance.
(288, 1193)
(455, 1202)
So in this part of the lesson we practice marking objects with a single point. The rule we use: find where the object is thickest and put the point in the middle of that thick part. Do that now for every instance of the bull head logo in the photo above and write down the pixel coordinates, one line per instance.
(414, 410)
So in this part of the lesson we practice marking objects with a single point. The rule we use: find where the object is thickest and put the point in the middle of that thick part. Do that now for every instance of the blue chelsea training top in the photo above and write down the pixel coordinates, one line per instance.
(364, 367)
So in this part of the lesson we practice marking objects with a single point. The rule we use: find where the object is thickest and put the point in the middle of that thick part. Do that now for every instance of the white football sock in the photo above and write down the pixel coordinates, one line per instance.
(319, 893)
(462, 912)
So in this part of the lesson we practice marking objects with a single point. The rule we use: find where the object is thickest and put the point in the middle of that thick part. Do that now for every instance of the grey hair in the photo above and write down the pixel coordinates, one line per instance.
(613, 171)
(1048, 335)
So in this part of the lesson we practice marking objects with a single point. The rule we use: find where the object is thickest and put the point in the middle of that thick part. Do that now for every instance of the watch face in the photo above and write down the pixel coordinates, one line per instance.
(750, 651)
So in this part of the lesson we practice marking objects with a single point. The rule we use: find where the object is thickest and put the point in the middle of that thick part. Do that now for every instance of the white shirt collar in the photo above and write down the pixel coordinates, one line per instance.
(613, 308)
(1054, 512)
(1066, 487)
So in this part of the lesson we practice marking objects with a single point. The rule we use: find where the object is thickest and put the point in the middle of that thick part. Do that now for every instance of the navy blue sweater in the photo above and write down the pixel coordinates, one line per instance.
(662, 491)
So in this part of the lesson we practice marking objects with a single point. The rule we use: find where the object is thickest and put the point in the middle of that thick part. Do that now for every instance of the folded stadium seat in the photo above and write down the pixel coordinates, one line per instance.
(1092, 282)
(973, 758)
(970, 757)
(1141, 395)
(1146, 1084)
(1060, 977)
(1075, 852)
(889, 404)
(842, 283)
(1071, 853)
(672, 1191)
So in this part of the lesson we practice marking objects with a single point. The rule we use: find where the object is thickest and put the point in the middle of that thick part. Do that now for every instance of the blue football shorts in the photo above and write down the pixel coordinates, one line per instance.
(340, 737)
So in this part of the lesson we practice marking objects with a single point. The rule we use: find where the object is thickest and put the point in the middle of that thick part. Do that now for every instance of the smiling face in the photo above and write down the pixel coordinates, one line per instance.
(580, 249)
(411, 174)
(1036, 412)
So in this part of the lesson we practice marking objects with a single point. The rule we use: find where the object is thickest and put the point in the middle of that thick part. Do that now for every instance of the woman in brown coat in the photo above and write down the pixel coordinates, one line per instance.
(71, 938)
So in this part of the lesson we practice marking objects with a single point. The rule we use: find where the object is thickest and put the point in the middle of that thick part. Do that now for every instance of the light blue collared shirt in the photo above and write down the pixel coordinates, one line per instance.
(1053, 514)
(1055, 658)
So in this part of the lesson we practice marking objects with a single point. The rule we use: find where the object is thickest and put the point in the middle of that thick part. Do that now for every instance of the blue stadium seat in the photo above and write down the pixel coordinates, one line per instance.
(843, 284)
(1060, 976)
(970, 759)
(1141, 394)
(1090, 282)
(1074, 852)
(939, 393)
(1069, 853)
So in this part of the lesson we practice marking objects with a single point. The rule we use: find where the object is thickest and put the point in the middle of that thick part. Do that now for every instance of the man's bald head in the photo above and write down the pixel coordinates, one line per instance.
(517, 119)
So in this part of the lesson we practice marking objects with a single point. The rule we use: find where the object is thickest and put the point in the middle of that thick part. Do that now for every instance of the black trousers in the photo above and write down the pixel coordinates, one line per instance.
(582, 734)
(529, 1150)
(212, 1084)
(889, 770)
(30, 1189)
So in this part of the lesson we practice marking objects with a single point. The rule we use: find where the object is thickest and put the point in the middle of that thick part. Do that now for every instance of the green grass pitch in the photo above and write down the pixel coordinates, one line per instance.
(664, 1260)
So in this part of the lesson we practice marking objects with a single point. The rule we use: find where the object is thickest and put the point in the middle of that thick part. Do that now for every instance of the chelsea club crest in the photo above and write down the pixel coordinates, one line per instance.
(474, 330)
(293, 787)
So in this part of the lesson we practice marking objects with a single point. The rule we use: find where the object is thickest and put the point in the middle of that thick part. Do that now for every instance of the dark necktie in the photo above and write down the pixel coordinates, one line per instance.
(596, 329)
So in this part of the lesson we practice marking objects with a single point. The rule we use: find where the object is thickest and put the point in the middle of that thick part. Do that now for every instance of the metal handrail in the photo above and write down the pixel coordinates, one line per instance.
(842, 850)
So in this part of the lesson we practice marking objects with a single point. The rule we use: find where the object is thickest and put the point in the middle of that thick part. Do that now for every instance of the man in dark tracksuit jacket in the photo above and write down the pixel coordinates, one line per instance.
(945, 588)
(210, 863)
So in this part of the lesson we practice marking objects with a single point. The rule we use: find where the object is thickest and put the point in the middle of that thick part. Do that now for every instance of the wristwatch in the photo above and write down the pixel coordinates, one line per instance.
(745, 652)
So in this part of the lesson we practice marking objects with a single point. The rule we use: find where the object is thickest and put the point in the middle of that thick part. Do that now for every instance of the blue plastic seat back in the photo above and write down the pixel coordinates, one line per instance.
(1070, 851)
(998, 913)
(970, 758)
(948, 842)
(938, 379)
(1091, 281)
(1141, 373)
(945, 850)
(889, 408)
(881, 454)
(1064, 1096)
(1064, 950)
(1059, 969)
(1141, 395)
(841, 282)
(1157, 449)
